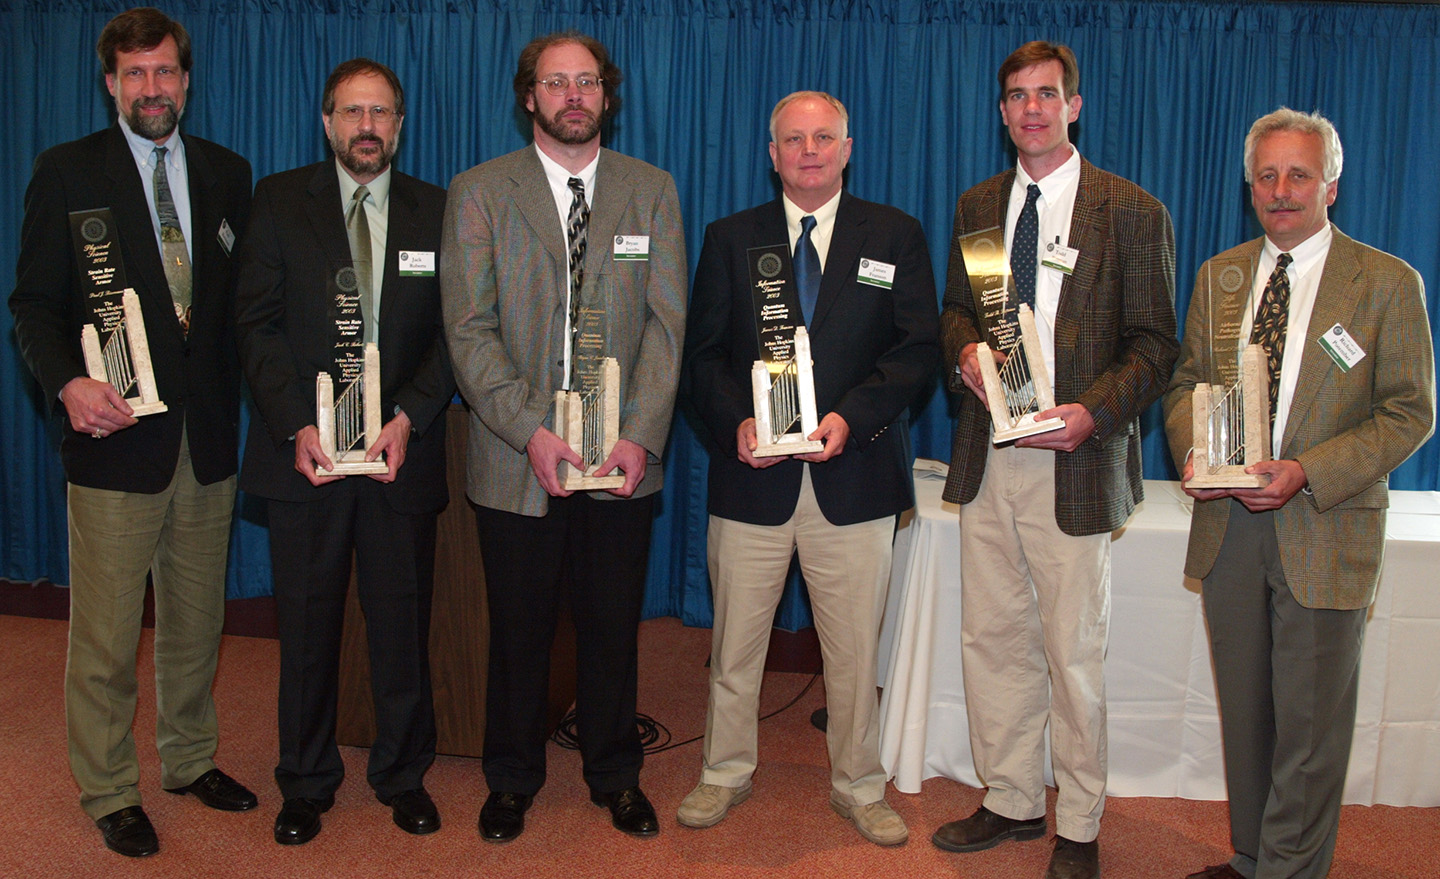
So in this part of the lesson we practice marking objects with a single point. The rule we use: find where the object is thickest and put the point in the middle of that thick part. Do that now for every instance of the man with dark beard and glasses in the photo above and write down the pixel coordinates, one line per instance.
(537, 243)
(341, 254)
(151, 495)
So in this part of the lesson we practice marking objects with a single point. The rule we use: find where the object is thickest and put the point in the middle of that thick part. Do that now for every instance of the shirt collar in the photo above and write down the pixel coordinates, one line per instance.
(825, 214)
(559, 176)
(1304, 255)
(1056, 181)
(143, 148)
(379, 188)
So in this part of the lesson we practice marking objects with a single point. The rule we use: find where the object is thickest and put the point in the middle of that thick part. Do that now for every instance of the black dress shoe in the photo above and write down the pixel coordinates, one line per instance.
(983, 830)
(129, 832)
(1074, 860)
(502, 818)
(219, 791)
(414, 812)
(630, 811)
(299, 819)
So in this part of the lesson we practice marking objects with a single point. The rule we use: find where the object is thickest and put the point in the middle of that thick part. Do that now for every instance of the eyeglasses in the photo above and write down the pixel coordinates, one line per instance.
(558, 84)
(378, 115)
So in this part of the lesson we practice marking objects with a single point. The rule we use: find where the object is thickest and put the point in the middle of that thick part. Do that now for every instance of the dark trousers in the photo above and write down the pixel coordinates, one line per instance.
(591, 554)
(1286, 677)
(310, 551)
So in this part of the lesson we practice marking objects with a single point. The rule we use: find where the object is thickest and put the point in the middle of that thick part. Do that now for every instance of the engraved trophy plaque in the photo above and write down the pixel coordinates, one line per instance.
(113, 339)
(1020, 388)
(588, 420)
(349, 423)
(1230, 422)
(782, 381)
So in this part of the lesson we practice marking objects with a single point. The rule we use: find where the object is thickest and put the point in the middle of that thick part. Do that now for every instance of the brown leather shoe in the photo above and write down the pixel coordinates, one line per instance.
(985, 829)
(1219, 871)
(1074, 860)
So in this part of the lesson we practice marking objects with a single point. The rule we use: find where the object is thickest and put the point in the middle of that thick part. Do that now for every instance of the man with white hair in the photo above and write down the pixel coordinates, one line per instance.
(1289, 569)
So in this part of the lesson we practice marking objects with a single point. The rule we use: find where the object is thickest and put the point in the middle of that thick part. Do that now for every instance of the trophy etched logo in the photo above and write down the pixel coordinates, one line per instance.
(350, 423)
(782, 381)
(113, 340)
(1018, 389)
(1230, 422)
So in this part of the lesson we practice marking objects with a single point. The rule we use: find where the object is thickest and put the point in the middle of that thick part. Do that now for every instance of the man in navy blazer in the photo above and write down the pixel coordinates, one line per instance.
(874, 331)
(288, 329)
(168, 478)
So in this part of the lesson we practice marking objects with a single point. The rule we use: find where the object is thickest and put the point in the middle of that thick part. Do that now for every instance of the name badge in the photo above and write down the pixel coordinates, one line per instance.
(629, 247)
(1341, 348)
(1058, 256)
(225, 236)
(876, 273)
(417, 263)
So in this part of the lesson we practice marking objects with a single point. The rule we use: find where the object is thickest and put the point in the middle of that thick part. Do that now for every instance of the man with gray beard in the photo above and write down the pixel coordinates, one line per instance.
(153, 495)
(342, 254)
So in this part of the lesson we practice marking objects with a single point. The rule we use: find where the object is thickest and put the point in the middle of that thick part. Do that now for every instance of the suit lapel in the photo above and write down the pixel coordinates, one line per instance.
(841, 262)
(127, 202)
(204, 223)
(1087, 235)
(1335, 303)
(537, 205)
(399, 229)
(326, 216)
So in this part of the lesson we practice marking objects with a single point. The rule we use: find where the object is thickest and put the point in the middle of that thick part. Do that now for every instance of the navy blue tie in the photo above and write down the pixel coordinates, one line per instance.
(1024, 249)
(807, 269)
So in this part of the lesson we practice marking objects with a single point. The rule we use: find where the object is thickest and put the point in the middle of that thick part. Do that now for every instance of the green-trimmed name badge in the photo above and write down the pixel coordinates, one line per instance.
(876, 273)
(417, 263)
(1341, 347)
(628, 247)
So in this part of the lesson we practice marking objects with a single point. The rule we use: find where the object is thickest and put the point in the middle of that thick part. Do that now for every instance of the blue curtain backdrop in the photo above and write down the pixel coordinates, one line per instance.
(1170, 89)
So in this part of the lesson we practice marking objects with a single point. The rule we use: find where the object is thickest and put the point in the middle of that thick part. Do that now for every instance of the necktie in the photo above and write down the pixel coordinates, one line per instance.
(172, 244)
(1269, 329)
(357, 226)
(575, 230)
(807, 269)
(1025, 247)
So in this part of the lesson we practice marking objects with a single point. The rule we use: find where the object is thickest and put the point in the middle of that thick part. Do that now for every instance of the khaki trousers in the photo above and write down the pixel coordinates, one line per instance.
(1035, 618)
(847, 572)
(181, 537)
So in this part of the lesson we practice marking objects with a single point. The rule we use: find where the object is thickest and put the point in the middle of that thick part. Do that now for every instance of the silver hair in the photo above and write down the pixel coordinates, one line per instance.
(823, 96)
(1286, 119)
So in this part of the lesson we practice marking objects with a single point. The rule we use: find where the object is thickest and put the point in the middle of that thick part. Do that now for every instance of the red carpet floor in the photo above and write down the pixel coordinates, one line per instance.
(785, 830)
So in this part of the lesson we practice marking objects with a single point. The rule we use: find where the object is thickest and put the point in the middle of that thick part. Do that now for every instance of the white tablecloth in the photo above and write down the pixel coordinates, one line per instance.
(1163, 726)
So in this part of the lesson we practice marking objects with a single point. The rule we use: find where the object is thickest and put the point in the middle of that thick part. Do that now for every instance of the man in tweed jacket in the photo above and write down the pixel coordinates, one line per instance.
(1037, 515)
(506, 279)
(1288, 570)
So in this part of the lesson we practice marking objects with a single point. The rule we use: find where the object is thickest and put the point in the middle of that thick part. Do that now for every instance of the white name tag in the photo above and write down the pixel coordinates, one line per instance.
(632, 247)
(225, 236)
(417, 263)
(1341, 348)
(876, 273)
(1059, 256)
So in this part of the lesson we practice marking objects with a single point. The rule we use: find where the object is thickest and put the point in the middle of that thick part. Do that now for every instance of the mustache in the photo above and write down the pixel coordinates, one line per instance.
(155, 101)
(362, 139)
(1283, 204)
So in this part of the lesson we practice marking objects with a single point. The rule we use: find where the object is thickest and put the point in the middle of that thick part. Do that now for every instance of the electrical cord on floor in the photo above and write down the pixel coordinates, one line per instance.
(654, 736)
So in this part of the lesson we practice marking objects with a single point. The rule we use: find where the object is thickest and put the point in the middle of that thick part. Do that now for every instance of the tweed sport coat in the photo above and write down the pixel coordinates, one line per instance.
(503, 266)
(1348, 430)
(1115, 342)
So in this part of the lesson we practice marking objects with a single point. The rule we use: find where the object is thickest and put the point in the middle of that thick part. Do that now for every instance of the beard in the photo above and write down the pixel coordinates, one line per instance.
(572, 133)
(362, 163)
(153, 127)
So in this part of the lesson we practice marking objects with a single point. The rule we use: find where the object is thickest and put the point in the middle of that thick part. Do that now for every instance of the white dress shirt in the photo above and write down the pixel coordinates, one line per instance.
(1055, 207)
(559, 179)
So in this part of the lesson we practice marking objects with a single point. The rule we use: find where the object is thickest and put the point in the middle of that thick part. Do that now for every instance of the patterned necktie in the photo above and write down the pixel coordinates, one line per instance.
(807, 269)
(1025, 247)
(1269, 329)
(357, 226)
(172, 244)
(575, 230)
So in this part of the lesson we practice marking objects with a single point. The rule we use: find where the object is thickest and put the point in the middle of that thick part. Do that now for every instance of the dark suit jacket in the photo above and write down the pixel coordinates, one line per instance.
(873, 351)
(1348, 430)
(1115, 342)
(286, 329)
(197, 377)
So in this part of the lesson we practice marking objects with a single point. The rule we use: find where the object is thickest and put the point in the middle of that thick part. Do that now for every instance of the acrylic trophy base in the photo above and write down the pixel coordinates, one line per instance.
(351, 462)
(762, 384)
(138, 364)
(1254, 424)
